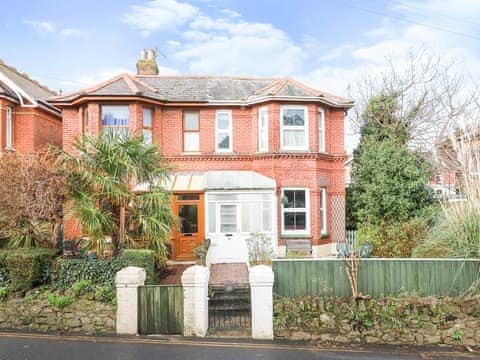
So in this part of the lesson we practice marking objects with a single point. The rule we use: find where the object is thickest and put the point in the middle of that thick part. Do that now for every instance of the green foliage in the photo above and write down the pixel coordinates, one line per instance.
(82, 287)
(24, 270)
(393, 239)
(29, 234)
(59, 301)
(3, 292)
(102, 271)
(457, 335)
(105, 293)
(102, 198)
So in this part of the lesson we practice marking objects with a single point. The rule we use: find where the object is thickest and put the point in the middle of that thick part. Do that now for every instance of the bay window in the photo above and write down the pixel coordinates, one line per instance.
(223, 131)
(263, 129)
(115, 119)
(321, 130)
(323, 211)
(294, 127)
(147, 127)
(295, 211)
(191, 131)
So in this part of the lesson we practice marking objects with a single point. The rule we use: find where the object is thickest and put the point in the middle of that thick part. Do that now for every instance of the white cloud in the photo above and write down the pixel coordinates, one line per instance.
(41, 27)
(159, 15)
(99, 76)
(73, 32)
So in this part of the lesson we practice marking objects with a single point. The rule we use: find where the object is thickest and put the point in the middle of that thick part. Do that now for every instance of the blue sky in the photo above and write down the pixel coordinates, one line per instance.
(327, 44)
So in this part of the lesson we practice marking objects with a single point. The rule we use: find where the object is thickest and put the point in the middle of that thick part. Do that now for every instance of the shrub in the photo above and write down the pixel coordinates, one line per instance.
(82, 287)
(4, 278)
(28, 269)
(102, 271)
(59, 301)
(105, 293)
(260, 249)
(3, 292)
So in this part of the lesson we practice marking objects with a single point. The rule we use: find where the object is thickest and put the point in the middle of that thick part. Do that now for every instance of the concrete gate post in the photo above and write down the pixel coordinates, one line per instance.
(127, 282)
(195, 301)
(261, 287)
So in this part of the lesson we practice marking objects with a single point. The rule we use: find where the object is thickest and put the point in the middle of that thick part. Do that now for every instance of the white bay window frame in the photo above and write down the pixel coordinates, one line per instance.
(263, 129)
(323, 211)
(9, 129)
(303, 127)
(306, 210)
(322, 145)
(220, 132)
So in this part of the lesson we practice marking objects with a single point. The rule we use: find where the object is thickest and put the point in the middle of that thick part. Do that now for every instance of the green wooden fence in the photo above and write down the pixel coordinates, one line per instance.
(160, 309)
(377, 277)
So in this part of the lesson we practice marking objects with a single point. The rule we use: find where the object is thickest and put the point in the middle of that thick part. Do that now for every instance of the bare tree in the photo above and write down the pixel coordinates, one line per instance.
(431, 97)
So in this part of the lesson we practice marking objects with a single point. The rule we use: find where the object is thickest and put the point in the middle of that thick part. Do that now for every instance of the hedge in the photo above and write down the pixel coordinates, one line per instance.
(102, 271)
(21, 270)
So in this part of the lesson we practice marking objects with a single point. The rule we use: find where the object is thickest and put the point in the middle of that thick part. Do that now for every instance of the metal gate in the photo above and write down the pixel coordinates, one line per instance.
(160, 309)
(229, 308)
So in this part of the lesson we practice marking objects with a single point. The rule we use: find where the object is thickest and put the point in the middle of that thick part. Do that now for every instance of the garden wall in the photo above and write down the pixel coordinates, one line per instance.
(377, 277)
(83, 315)
(402, 321)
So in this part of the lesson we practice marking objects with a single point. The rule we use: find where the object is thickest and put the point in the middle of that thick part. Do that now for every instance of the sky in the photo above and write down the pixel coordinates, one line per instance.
(327, 44)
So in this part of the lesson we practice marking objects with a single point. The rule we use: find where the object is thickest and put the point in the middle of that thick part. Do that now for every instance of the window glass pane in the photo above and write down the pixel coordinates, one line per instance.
(293, 137)
(321, 131)
(147, 117)
(212, 217)
(190, 121)
(293, 117)
(246, 217)
(267, 216)
(228, 218)
(223, 141)
(300, 199)
(223, 197)
(185, 197)
(188, 218)
(191, 141)
(114, 115)
(223, 121)
(147, 136)
(256, 214)
(9, 129)
(122, 132)
(294, 221)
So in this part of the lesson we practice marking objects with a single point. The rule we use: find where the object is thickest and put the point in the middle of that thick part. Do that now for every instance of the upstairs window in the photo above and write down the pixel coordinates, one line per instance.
(85, 120)
(263, 129)
(115, 119)
(294, 127)
(295, 211)
(223, 131)
(321, 131)
(191, 131)
(9, 129)
(147, 127)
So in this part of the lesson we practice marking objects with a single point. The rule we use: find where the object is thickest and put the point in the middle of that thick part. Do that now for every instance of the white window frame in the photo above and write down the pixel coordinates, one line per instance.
(9, 129)
(322, 145)
(190, 131)
(304, 127)
(222, 131)
(305, 232)
(323, 211)
(263, 132)
(219, 217)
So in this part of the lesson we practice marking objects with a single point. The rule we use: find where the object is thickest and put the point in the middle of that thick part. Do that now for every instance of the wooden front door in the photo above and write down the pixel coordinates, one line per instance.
(189, 234)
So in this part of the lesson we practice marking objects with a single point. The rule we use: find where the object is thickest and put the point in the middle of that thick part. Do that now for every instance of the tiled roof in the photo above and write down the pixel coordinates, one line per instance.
(30, 87)
(204, 89)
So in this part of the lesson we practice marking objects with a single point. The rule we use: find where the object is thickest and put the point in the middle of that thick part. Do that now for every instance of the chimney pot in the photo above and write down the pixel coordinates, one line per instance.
(147, 65)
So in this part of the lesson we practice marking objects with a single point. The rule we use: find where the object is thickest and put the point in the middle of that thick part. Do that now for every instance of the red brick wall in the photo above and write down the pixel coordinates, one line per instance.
(310, 169)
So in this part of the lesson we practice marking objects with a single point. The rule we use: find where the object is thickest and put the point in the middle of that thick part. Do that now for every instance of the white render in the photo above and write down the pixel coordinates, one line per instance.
(195, 301)
(127, 282)
(326, 250)
(261, 287)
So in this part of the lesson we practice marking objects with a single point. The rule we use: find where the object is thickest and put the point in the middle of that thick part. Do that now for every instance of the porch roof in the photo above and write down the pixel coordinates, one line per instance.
(214, 180)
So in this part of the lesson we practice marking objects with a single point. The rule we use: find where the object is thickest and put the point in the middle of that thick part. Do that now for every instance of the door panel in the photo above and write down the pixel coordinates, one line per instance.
(190, 233)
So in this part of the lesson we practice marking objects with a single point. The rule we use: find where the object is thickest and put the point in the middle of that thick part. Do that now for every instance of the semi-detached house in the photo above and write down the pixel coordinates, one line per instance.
(250, 154)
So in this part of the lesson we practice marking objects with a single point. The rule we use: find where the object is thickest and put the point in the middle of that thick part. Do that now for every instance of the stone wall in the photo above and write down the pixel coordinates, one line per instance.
(83, 315)
(402, 321)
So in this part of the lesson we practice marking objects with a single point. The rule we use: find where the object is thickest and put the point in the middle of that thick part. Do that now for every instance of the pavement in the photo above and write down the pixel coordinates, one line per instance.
(35, 346)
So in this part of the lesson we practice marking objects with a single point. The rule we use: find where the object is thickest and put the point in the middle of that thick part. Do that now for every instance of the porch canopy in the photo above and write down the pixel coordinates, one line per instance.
(214, 180)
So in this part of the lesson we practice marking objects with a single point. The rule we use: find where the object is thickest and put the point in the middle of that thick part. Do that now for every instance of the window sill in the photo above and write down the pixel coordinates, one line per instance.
(295, 236)
(11, 149)
(191, 153)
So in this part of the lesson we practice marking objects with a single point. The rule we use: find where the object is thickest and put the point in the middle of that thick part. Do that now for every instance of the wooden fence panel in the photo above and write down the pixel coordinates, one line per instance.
(160, 309)
(377, 277)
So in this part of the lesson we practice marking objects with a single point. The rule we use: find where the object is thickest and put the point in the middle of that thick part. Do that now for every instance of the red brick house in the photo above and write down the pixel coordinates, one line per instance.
(27, 121)
(251, 154)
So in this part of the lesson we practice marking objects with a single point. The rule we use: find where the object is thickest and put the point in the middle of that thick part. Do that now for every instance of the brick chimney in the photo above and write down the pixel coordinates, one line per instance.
(147, 65)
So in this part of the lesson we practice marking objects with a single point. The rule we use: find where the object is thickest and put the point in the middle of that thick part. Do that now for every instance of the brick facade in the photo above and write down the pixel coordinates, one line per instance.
(308, 169)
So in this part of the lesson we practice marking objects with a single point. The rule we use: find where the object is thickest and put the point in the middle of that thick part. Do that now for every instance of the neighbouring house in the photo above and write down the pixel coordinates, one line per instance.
(251, 154)
(27, 121)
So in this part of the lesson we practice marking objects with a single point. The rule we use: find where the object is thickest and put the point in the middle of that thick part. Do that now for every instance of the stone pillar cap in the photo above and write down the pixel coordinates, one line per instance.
(195, 275)
(131, 275)
(261, 275)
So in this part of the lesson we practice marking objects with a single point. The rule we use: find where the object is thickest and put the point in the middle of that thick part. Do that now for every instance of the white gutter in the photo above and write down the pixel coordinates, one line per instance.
(18, 91)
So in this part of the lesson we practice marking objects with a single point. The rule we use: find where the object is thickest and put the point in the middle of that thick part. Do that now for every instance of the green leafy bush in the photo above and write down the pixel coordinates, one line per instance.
(4, 278)
(59, 301)
(27, 269)
(3, 292)
(82, 287)
(105, 293)
(102, 271)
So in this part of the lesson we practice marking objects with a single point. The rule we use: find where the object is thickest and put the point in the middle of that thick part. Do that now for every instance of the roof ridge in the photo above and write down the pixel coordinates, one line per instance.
(265, 88)
(209, 77)
(92, 88)
(27, 77)
(130, 83)
(144, 84)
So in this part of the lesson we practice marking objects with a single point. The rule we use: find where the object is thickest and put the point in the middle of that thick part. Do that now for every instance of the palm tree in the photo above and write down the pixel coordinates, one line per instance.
(101, 179)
